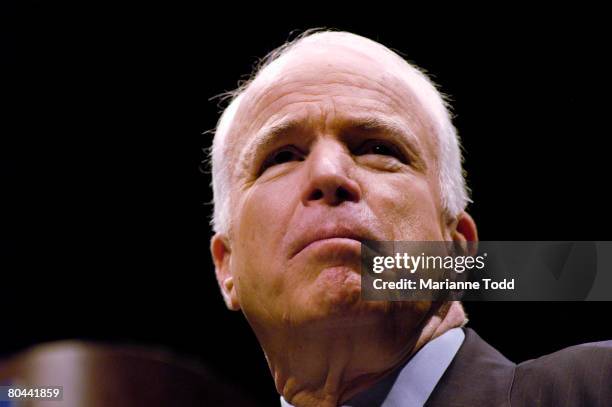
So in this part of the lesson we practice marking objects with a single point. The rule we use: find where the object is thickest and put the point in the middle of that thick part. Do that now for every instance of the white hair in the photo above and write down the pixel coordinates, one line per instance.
(454, 192)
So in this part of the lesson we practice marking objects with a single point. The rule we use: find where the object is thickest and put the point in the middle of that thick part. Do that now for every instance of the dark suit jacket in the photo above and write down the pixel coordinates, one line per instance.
(481, 376)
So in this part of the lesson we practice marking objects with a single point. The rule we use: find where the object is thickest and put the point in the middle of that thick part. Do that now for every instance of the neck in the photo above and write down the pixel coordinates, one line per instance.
(325, 364)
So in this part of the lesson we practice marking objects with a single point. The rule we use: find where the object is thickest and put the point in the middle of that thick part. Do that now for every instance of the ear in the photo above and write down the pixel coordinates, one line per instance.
(221, 254)
(464, 230)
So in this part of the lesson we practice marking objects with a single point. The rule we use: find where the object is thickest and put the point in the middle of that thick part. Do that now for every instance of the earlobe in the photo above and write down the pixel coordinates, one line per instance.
(221, 254)
(464, 230)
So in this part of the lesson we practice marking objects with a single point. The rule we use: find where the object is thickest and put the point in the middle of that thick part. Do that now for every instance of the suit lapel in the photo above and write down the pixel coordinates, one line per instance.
(478, 375)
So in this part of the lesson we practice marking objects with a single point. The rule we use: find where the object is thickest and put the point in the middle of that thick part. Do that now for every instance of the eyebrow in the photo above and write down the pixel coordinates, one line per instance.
(384, 125)
(269, 135)
(394, 128)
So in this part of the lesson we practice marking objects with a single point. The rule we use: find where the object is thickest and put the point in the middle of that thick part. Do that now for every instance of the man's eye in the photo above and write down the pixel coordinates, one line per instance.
(379, 147)
(281, 156)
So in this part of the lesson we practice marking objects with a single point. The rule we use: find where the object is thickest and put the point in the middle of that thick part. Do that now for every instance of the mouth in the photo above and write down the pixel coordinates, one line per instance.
(332, 235)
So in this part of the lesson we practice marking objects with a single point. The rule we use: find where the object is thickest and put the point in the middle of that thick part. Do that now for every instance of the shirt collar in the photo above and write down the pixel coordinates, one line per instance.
(412, 384)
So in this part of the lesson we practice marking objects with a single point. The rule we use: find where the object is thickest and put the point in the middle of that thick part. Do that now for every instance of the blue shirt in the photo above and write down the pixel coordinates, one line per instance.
(411, 385)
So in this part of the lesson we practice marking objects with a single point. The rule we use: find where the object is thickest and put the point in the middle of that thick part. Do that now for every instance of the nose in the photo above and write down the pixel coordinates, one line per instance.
(328, 181)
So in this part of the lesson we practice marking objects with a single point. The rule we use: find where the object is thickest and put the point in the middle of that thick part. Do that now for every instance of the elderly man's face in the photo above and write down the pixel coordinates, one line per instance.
(331, 150)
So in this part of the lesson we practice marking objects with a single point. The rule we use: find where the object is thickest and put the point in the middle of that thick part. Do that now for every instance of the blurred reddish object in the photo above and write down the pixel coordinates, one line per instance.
(102, 375)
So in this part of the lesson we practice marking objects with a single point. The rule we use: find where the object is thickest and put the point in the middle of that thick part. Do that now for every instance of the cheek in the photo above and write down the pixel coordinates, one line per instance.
(406, 204)
(264, 213)
(259, 226)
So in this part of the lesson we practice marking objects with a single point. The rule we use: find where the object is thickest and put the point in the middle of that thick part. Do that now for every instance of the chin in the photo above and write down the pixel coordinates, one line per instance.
(339, 287)
(336, 294)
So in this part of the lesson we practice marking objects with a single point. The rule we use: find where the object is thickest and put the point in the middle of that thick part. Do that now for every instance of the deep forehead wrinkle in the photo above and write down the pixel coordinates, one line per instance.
(386, 88)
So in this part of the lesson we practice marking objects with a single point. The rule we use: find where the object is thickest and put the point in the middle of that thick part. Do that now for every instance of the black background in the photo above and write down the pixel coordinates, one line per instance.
(105, 230)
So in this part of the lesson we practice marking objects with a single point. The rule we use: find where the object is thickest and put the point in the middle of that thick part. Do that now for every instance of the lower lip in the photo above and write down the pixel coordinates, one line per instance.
(334, 244)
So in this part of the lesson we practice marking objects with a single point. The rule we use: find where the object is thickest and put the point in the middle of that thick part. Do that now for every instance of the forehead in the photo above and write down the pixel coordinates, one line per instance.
(332, 84)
